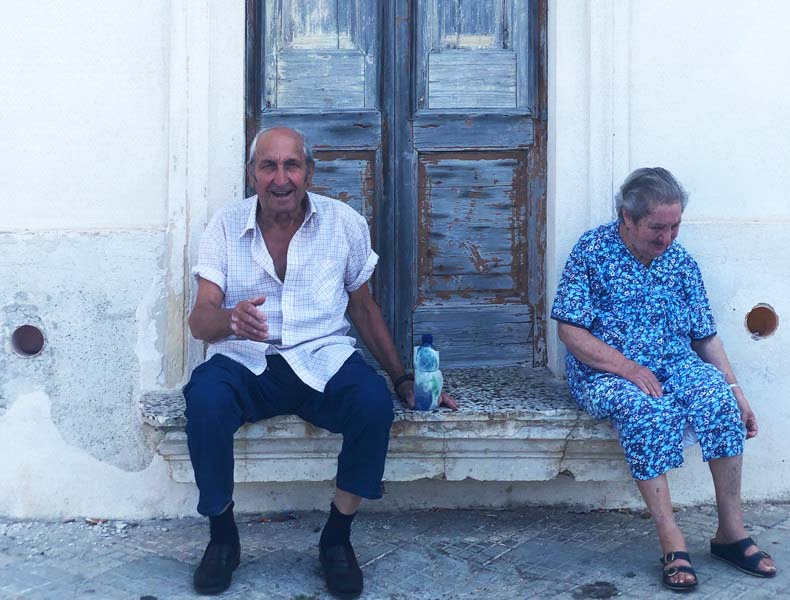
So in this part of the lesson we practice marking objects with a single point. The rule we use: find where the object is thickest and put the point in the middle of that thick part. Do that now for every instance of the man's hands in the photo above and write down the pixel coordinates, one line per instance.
(642, 377)
(405, 394)
(366, 316)
(249, 323)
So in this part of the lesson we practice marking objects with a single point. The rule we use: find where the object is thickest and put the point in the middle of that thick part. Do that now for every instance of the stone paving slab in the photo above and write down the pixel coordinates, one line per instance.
(445, 554)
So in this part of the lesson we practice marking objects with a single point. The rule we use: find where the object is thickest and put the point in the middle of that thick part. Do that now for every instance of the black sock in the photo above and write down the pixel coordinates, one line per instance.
(337, 531)
(223, 527)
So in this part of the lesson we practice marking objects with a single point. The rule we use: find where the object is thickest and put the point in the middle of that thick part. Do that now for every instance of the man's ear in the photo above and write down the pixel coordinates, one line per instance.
(308, 178)
(251, 175)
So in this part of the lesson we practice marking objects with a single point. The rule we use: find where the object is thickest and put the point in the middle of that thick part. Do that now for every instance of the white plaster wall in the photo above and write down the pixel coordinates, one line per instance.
(83, 253)
(146, 106)
(82, 114)
(710, 94)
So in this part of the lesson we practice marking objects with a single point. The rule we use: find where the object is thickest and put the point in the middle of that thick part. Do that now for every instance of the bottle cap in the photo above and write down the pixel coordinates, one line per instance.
(427, 339)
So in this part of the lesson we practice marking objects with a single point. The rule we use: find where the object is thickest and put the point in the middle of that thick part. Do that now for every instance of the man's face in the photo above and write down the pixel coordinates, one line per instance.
(280, 174)
(649, 237)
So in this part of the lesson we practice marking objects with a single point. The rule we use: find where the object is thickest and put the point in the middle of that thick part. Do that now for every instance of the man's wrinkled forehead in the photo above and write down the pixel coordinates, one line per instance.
(280, 144)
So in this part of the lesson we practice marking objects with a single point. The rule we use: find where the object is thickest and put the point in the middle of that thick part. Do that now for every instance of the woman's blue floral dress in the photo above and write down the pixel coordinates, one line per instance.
(651, 315)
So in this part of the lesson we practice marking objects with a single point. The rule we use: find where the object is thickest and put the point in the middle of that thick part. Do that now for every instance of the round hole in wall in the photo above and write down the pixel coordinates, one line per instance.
(762, 321)
(27, 340)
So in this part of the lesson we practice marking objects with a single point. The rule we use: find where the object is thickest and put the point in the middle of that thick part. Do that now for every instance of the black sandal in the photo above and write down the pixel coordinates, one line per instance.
(672, 571)
(735, 554)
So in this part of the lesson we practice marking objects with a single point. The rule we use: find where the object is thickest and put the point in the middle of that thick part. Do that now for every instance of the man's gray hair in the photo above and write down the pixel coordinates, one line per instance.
(646, 187)
(307, 149)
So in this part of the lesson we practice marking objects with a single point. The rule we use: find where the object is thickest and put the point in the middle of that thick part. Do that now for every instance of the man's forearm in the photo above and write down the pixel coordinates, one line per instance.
(369, 323)
(209, 323)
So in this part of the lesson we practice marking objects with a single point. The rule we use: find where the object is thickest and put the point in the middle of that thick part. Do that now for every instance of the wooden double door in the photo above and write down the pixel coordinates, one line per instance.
(428, 117)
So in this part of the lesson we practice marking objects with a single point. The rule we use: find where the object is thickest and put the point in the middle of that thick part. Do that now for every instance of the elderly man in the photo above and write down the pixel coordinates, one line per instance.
(643, 352)
(277, 273)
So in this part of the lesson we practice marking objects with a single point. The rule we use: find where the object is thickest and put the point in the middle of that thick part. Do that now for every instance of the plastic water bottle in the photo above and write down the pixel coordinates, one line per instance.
(428, 378)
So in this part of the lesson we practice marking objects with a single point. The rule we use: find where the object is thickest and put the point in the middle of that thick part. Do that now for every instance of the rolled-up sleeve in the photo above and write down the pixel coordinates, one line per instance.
(212, 262)
(573, 301)
(361, 257)
(701, 321)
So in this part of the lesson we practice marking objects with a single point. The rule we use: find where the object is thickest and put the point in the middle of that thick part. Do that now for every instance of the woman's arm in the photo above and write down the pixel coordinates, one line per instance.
(599, 355)
(711, 350)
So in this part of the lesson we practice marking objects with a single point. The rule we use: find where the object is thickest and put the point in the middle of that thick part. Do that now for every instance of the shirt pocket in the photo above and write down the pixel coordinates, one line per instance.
(326, 283)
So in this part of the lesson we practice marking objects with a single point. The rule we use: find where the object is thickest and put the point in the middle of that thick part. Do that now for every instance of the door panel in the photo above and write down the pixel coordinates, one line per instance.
(469, 132)
(494, 83)
(321, 53)
(471, 228)
(350, 177)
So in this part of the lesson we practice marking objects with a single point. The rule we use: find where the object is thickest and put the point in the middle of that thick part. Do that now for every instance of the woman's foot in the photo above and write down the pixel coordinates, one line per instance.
(744, 554)
(677, 572)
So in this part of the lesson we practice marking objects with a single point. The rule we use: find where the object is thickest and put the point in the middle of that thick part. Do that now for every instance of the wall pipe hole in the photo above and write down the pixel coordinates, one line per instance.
(762, 321)
(27, 340)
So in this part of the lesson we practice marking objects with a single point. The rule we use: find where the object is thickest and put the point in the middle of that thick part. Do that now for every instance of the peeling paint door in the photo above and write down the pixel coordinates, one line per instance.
(426, 117)
(471, 195)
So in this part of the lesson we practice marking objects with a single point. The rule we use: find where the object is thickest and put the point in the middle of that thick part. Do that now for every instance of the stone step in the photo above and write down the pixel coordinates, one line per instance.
(513, 424)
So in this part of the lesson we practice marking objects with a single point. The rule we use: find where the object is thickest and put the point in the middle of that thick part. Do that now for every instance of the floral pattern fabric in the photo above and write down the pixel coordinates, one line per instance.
(651, 315)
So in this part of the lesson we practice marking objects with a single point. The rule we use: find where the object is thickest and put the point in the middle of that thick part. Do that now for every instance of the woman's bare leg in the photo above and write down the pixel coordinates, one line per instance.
(656, 494)
(726, 474)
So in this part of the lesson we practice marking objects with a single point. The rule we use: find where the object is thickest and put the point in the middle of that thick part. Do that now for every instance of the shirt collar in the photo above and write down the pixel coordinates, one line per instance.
(253, 211)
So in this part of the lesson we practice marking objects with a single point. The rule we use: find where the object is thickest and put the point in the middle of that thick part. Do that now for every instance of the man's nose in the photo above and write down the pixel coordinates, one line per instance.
(279, 176)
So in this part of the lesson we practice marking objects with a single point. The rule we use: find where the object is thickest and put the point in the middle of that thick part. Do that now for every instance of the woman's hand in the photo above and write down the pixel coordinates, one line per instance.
(643, 378)
(747, 415)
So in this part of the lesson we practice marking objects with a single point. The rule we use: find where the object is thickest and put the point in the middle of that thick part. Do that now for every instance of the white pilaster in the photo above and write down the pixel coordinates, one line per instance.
(588, 128)
(187, 169)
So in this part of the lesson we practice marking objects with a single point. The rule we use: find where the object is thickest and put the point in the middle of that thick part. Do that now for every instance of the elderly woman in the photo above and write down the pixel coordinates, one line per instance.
(643, 352)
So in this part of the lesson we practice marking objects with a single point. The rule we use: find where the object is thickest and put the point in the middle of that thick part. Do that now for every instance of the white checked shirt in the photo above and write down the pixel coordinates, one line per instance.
(328, 257)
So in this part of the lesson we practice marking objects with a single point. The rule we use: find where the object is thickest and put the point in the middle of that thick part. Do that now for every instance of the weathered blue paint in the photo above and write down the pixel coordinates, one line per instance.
(475, 121)
(462, 130)
(331, 130)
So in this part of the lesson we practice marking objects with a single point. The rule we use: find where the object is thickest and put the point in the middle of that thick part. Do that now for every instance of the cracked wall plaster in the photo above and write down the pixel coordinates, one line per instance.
(87, 292)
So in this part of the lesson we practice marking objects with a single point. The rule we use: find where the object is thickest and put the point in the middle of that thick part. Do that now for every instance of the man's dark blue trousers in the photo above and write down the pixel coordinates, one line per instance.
(223, 394)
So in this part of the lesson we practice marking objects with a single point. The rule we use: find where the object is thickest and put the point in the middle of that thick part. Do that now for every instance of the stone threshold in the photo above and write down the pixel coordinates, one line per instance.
(514, 424)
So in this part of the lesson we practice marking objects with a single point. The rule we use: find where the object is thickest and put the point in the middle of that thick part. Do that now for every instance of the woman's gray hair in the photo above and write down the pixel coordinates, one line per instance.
(307, 149)
(646, 187)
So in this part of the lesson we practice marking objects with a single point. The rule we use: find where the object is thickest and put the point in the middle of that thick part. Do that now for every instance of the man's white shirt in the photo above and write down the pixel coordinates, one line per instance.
(329, 257)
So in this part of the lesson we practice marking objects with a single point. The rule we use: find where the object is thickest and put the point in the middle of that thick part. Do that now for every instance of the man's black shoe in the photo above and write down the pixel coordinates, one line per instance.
(341, 570)
(215, 569)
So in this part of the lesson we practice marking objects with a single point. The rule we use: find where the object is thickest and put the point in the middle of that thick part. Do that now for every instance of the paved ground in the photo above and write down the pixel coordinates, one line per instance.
(529, 553)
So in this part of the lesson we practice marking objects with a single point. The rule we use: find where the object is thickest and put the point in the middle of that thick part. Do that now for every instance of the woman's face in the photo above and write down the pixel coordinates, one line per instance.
(649, 237)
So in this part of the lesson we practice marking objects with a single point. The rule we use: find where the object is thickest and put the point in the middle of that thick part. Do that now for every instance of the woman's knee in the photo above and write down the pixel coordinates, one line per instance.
(716, 410)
